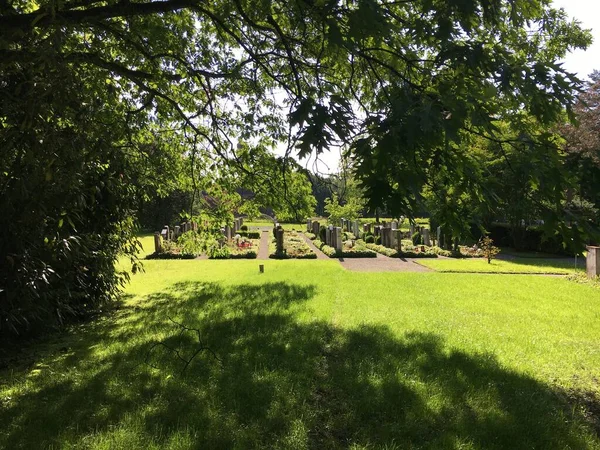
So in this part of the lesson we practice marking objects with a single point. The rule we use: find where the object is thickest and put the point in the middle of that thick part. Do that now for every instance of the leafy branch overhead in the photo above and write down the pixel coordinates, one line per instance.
(106, 103)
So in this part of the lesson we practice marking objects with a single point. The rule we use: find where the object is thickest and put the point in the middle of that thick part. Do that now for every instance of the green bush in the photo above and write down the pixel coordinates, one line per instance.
(168, 255)
(250, 254)
(417, 239)
(218, 252)
(377, 240)
(383, 250)
(244, 228)
(412, 254)
(311, 236)
(322, 232)
(249, 234)
(370, 239)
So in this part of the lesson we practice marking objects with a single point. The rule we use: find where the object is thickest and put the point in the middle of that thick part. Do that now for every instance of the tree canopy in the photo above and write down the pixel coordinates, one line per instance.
(102, 102)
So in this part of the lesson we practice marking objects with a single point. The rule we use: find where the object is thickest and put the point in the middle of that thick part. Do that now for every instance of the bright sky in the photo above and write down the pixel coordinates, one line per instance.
(587, 12)
(581, 62)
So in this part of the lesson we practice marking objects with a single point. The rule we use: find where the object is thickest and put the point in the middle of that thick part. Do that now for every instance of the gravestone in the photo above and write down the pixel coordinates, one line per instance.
(426, 239)
(279, 239)
(227, 232)
(342, 220)
(241, 219)
(328, 238)
(398, 234)
(338, 244)
(411, 230)
(592, 261)
(194, 226)
(157, 243)
(387, 234)
(348, 226)
(394, 225)
(377, 230)
(315, 228)
(308, 225)
(356, 229)
(165, 233)
(177, 230)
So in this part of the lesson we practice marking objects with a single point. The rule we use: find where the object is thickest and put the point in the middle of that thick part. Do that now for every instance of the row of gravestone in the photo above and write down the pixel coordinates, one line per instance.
(230, 231)
(390, 239)
(171, 234)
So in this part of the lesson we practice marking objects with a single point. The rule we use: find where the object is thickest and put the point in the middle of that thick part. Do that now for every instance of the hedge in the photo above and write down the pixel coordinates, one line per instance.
(169, 255)
(352, 253)
(249, 234)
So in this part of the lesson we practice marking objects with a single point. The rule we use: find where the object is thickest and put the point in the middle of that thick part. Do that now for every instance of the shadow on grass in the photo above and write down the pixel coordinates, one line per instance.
(285, 381)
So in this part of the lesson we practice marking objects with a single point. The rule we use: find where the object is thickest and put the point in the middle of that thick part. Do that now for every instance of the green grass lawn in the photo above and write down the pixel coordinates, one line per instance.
(314, 356)
(517, 265)
(285, 226)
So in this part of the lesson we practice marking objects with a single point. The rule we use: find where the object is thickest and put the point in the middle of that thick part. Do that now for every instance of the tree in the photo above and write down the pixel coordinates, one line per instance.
(86, 86)
(350, 210)
(582, 149)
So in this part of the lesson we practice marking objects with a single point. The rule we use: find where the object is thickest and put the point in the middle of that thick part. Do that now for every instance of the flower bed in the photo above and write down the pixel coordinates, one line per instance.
(358, 251)
(233, 251)
(294, 247)
(410, 252)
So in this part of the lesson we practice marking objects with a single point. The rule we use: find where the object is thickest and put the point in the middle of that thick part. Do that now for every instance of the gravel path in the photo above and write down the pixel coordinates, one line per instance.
(382, 264)
(263, 249)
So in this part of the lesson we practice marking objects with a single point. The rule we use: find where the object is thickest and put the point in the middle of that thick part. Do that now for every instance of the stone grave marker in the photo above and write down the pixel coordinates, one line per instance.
(398, 234)
(592, 261)
(157, 242)
(338, 244)
(279, 239)
(426, 239)
(315, 228)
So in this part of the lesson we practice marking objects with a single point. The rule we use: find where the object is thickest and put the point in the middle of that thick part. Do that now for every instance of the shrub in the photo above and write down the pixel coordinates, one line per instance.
(250, 254)
(412, 254)
(489, 249)
(383, 250)
(377, 240)
(311, 236)
(190, 243)
(417, 238)
(169, 255)
(370, 239)
(218, 252)
(322, 232)
(244, 228)
(249, 234)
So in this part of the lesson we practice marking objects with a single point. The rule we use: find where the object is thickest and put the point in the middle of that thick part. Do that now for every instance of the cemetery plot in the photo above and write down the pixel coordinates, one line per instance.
(350, 249)
(189, 240)
(289, 245)
(336, 243)
(237, 248)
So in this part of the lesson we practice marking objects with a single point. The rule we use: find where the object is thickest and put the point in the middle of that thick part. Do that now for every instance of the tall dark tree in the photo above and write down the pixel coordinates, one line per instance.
(85, 86)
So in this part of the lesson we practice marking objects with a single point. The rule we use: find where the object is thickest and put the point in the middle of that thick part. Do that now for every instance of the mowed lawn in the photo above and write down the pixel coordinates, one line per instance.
(559, 266)
(313, 356)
